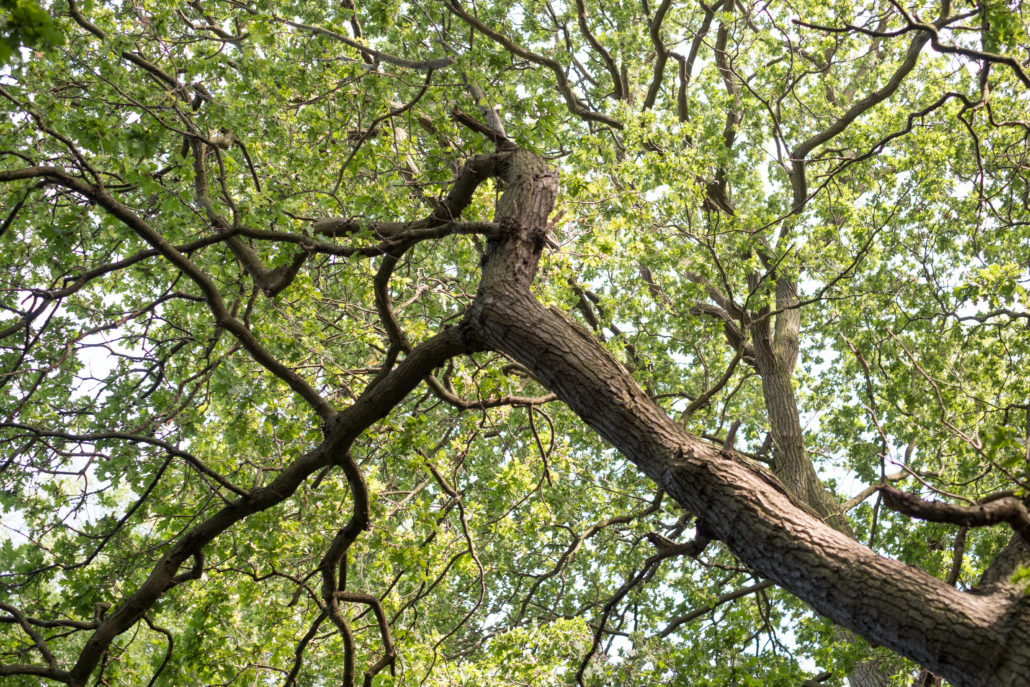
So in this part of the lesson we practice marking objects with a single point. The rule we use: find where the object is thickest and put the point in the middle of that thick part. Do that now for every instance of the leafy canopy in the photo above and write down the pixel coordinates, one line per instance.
(506, 543)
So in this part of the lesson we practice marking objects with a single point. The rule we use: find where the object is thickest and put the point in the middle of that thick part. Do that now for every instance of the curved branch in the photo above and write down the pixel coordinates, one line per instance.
(935, 40)
(168, 651)
(574, 104)
(798, 155)
(705, 396)
(298, 653)
(691, 548)
(654, 30)
(389, 653)
(378, 55)
(991, 511)
(37, 639)
(619, 90)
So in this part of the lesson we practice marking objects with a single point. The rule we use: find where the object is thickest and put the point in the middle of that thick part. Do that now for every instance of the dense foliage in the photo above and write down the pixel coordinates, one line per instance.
(213, 241)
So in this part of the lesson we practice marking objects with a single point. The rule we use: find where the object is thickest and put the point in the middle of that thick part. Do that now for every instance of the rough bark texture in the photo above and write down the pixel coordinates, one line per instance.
(970, 640)
(776, 353)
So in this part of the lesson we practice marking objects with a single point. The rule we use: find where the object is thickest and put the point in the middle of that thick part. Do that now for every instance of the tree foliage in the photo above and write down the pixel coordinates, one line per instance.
(537, 342)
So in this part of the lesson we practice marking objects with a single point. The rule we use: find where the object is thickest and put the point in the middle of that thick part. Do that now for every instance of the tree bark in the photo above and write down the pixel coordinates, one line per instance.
(968, 639)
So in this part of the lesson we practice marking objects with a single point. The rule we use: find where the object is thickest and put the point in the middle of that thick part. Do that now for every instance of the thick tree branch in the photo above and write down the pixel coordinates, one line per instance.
(798, 156)
(758, 519)
(654, 30)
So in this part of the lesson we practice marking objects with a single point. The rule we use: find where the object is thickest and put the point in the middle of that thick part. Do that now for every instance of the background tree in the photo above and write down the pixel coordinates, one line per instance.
(312, 370)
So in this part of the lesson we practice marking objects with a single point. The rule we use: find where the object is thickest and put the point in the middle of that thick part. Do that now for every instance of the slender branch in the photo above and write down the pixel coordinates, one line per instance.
(705, 396)
(374, 126)
(618, 88)
(378, 55)
(37, 639)
(298, 653)
(579, 539)
(574, 104)
(683, 619)
(692, 548)
(168, 651)
(871, 489)
(73, 284)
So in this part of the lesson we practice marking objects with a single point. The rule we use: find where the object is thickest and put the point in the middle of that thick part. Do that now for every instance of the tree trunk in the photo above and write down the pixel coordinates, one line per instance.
(775, 357)
(968, 639)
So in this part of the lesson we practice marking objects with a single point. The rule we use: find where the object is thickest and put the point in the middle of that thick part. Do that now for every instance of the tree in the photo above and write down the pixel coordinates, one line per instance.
(322, 324)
